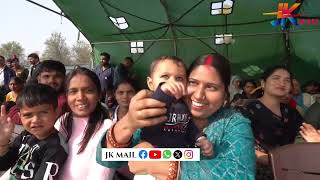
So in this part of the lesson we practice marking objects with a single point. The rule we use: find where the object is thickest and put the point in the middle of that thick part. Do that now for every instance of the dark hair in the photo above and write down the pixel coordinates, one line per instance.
(96, 117)
(9, 105)
(2, 57)
(244, 82)
(50, 65)
(34, 55)
(155, 62)
(269, 71)
(125, 81)
(220, 63)
(236, 97)
(37, 94)
(18, 80)
(128, 58)
(105, 55)
(15, 59)
(311, 83)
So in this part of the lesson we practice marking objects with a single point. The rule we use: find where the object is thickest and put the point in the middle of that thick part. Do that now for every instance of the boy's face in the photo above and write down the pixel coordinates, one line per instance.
(38, 120)
(167, 70)
(51, 78)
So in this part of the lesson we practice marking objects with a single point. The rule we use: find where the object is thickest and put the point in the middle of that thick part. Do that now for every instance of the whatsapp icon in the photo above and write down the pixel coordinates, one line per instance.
(166, 154)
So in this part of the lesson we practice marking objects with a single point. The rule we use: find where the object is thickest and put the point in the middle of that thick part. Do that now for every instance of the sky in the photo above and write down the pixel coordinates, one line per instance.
(31, 25)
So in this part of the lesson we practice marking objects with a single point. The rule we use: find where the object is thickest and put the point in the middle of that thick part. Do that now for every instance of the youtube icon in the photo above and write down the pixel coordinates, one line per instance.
(155, 154)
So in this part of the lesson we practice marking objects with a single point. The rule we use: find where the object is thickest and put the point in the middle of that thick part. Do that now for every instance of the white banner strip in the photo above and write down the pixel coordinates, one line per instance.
(150, 154)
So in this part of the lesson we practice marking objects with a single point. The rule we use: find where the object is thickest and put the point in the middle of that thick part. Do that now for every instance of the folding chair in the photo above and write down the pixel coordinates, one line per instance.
(296, 162)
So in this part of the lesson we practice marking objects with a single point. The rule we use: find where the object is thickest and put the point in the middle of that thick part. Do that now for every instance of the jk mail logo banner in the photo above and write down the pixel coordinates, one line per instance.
(150, 154)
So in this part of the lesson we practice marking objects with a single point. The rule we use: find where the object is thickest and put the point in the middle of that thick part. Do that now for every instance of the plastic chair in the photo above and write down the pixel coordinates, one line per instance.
(296, 162)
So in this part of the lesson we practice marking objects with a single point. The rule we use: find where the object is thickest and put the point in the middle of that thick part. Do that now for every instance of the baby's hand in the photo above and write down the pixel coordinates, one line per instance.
(176, 89)
(206, 146)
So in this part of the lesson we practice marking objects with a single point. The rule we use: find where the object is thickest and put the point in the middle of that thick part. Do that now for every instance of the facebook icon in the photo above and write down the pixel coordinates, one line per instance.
(143, 154)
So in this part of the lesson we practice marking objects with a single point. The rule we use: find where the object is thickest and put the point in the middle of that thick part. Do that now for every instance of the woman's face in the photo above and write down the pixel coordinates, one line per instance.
(123, 94)
(278, 83)
(13, 86)
(82, 95)
(206, 91)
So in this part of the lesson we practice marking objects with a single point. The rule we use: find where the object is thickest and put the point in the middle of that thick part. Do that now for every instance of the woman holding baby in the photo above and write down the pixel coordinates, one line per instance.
(205, 93)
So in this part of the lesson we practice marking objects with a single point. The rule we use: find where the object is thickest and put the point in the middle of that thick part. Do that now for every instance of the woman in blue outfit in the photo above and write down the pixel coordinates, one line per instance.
(229, 131)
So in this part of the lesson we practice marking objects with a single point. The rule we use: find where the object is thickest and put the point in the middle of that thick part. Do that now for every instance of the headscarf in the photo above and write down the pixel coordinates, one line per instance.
(233, 90)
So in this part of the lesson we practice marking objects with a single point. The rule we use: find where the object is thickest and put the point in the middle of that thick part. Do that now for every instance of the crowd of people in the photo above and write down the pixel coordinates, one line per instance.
(54, 125)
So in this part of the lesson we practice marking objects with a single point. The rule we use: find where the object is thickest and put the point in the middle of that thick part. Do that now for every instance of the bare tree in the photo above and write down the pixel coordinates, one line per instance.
(11, 48)
(57, 49)
(81, 53)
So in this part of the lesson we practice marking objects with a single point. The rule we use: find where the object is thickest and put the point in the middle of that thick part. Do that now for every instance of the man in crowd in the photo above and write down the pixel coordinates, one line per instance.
(122, 70)
(20, 71)
(34, 61)
(105, 73)
(5, 75)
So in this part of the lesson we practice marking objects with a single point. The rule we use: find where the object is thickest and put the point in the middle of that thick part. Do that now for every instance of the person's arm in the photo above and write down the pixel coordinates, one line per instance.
(143, 112)
(262, 157)
(159, 170)
(193, 133)
(199, 139)
(6, 130)
(51, 164)
(235, 156)
(113, 164)
(8, 97)
(11, 154)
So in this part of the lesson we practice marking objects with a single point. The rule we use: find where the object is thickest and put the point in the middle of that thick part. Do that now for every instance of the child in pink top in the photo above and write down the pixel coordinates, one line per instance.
(83, 127)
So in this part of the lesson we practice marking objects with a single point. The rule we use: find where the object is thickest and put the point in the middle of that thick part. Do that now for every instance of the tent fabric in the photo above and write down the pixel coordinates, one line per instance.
(187, 29)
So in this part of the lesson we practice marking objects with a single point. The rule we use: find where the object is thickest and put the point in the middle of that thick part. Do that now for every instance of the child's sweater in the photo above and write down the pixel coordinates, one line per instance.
(178, 131)
(30, 158)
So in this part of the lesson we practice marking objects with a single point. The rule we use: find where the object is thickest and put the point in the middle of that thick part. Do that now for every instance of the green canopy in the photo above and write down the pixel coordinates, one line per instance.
(146, 29)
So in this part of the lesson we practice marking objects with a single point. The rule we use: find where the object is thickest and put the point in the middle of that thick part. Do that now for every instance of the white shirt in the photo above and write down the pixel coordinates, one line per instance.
(1, 77)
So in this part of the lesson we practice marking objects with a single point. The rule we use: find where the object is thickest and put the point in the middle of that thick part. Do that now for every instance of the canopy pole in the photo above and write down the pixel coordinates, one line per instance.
(44, 7)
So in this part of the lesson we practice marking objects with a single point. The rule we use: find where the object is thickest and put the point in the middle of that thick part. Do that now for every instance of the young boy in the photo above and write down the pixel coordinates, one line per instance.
(38, 152)
(168, 80)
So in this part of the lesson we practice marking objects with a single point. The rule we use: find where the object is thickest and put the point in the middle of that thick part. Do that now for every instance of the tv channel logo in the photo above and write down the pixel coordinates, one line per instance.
(285, 13)
(166, 154)
(155, 154)
(143, 154)
(188, 154)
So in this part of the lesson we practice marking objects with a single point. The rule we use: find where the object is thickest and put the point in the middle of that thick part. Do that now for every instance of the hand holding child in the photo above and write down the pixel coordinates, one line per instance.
(206, 146)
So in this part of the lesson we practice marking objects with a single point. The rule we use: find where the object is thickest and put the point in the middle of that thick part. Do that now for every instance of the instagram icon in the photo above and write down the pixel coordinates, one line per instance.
(188, 154)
